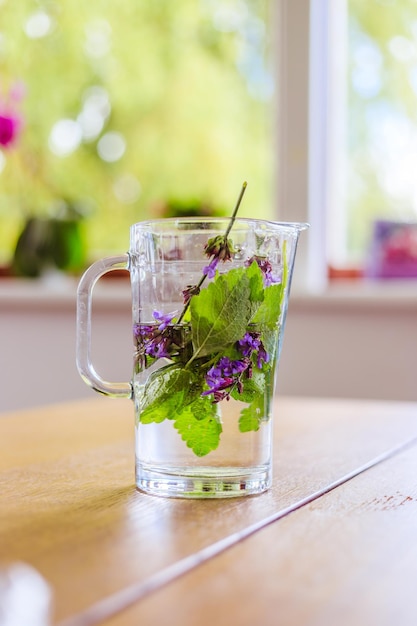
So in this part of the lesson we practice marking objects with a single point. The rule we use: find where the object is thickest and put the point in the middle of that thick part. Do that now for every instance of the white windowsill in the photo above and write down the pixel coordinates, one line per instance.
(361, 294)
(113, 294)
(59, 293)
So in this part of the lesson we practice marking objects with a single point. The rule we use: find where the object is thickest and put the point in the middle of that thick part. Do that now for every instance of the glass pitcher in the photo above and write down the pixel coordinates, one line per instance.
(209, 304)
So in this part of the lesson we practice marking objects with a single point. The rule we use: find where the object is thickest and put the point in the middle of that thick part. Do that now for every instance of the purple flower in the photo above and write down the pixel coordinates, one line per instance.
(151, 346)
(163, 320)
(157, 340)
(263, 356)
(162, 348)
(266, 268)
(270, 279)
(252, 344)
(214, 377)
(220, 248)
(231, 368)
(156, 345)
(142, 331)
(226, 374)
(189, 292)
(218, 396)
(249, 343)
(219, 384)
(210, 270)
(224, 364)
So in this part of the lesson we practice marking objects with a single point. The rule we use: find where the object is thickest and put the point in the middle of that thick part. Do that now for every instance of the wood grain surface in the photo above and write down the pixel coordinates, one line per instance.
(347, 559)
(69, 507)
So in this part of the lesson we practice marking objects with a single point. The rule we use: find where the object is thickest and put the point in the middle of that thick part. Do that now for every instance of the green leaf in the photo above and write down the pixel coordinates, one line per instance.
(221, 312)
(199, 426)
(269, 311)
(270, 340)
(256, 283)
(251, 387)
(166, 389)
(252, 416)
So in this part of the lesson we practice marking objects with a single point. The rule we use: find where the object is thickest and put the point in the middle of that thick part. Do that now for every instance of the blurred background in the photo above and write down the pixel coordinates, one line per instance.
(132, 109)
(111, 113)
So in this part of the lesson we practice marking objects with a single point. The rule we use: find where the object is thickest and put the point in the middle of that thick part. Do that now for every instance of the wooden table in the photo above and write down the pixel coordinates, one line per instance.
(332, 543)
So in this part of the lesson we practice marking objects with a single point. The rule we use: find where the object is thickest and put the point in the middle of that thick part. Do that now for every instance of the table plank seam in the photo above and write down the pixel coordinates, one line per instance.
(119, 601)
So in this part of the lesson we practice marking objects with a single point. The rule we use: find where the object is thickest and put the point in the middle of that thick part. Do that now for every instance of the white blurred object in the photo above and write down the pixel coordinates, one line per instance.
(25, 597)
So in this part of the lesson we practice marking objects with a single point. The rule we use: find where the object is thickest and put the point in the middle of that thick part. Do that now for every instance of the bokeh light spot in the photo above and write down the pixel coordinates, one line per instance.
(127, 188)
(65, 137)
(38, 25)
(111, 147)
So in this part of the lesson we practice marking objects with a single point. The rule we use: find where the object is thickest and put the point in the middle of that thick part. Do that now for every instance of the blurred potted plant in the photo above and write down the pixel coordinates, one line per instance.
(175, 207)
(53, 242)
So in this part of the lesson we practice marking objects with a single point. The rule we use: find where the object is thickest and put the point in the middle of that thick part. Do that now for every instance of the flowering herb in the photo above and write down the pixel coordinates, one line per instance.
(221, 346)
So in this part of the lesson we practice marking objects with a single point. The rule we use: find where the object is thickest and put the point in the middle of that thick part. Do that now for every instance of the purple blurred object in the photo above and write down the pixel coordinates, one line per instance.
(393, 250)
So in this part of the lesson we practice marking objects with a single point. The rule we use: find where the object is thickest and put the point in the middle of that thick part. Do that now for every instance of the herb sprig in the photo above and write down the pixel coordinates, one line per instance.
(220, 248)
(225, 348)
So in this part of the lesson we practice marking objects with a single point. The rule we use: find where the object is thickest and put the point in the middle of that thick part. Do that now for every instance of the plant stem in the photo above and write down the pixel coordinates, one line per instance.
(183, 312)
(232, 219)
(225, 236)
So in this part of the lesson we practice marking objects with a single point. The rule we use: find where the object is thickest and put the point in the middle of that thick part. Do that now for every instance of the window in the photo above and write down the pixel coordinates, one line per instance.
(382, 117)
(371, 107)
(133, 107)
(348, 114)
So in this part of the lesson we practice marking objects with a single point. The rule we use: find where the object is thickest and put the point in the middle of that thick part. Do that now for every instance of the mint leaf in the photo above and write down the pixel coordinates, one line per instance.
(256, 283)
(166, 389)
(252, 416)
(251, 387)
(221, 312)
(270, 338)
(199, 426)
(269, 311)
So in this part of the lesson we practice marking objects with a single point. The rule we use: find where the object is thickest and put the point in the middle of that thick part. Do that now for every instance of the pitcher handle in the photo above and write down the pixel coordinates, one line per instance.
(83, 342)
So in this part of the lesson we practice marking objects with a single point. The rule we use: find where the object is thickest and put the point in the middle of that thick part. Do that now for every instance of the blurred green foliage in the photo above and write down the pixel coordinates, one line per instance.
(382, 120)
(189, 96)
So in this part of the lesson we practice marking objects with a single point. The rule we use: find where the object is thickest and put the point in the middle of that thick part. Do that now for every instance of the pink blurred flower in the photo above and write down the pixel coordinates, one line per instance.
(9, 129)
(10, 118)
